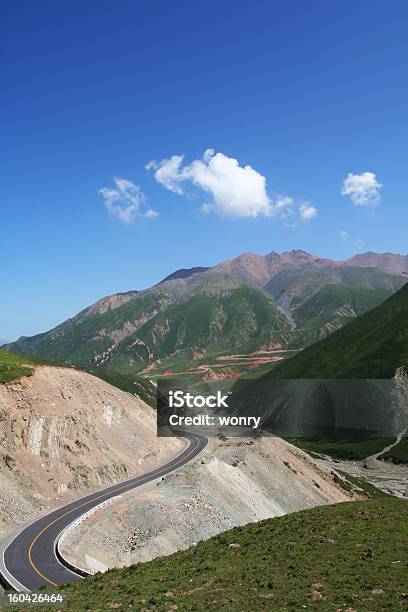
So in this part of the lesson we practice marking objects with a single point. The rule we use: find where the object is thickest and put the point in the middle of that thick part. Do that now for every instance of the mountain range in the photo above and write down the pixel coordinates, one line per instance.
(339, 387)
(216, 322)
(372, 346)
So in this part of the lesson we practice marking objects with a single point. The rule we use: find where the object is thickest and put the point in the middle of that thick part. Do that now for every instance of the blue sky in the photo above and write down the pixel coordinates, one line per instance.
(304, 92)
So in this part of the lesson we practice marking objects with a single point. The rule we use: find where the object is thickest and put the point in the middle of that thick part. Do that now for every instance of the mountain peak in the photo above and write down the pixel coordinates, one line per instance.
(391, 263)
(184, 273)
(110, 302)
(298, 252)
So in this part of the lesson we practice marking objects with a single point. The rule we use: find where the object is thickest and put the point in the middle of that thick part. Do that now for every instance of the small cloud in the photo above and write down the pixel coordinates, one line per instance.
(151, 214)
(364, 189)
(283, 206)
(207, 208)
(125, 201)
(307, 211)
(167, 172)
(358, 245)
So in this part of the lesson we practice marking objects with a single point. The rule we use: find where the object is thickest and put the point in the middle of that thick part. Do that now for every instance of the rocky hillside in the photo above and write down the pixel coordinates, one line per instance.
(390, 263)
(242, 306)
(64, 432)
(259, 269)
(235, 482)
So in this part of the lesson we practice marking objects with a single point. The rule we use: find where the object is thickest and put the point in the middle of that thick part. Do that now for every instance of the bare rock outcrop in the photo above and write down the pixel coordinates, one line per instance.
(64, 432)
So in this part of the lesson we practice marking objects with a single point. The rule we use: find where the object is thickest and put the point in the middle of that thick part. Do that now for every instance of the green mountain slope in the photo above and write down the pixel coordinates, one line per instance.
(187, 320)
(324, 299)
(240, 319)
(372, 346)
(170, 323)
(332, 307)
(14, 366)
(347, 556)
(93, 331)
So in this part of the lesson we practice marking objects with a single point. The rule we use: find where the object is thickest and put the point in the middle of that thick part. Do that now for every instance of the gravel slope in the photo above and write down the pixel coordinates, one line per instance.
(233, 483)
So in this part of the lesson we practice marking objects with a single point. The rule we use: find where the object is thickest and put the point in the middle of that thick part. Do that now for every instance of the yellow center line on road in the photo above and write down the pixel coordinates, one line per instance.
(119, 488)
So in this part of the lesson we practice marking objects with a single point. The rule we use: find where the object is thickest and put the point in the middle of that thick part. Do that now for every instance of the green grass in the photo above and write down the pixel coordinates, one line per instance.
(349, 449)
(398, 454)
(14, 366)
(372, 346)
(218, 315)
(346, 556)
(238, 320)
(358, 485)
(329, 302)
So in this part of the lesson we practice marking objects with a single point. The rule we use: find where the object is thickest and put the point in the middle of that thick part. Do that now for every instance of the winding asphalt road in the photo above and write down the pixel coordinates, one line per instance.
(31, 560)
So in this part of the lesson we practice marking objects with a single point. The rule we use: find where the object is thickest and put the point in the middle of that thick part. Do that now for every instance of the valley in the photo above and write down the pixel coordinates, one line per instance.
(71, 429)
(204, 306)
(372, 346)
(65, 433)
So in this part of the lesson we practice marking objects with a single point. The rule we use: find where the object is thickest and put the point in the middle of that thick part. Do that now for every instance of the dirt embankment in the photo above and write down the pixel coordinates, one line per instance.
(230, 484)
(64, 433)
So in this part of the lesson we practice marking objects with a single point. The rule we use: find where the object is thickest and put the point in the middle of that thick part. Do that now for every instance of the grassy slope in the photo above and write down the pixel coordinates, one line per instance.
(372, 346)
(325, 299)
(346, 556)
(14, 366)
(334, 304)
(398, 454)
(77, 339)
(172, 320)
(353, 450)
(241, 319)
(213, 317)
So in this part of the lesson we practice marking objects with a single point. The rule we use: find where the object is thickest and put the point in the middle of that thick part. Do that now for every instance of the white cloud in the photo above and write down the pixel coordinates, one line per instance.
(207, 208)
(307, 211)
(284, 205)
(167, 172)
(235, 191)
(125, 201)
(151, 214)
(364, 189)
(358, 245)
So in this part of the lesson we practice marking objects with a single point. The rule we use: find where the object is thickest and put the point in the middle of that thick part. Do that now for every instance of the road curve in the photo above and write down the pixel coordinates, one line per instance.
(30, 559)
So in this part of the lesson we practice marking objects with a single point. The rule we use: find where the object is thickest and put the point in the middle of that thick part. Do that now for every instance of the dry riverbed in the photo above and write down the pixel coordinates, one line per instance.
(384, 475)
